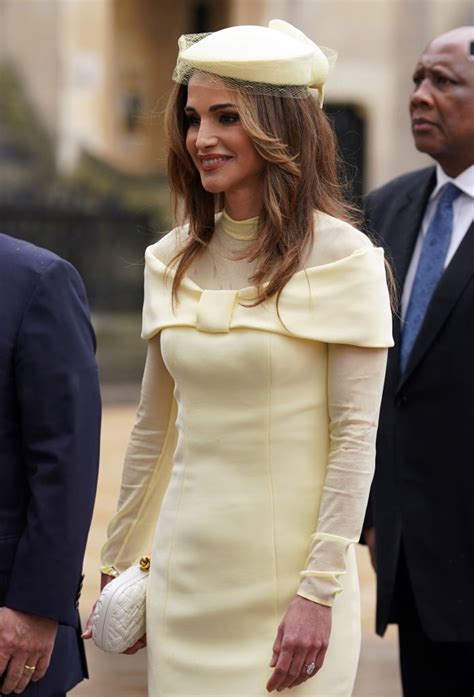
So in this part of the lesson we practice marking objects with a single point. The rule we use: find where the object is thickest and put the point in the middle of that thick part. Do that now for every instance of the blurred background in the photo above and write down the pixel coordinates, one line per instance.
(83, 85)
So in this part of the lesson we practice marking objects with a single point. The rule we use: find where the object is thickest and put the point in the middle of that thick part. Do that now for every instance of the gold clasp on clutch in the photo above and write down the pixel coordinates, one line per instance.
(145, 564)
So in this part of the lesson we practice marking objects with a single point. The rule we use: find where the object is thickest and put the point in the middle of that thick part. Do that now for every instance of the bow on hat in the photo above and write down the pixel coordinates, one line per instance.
(321, 64)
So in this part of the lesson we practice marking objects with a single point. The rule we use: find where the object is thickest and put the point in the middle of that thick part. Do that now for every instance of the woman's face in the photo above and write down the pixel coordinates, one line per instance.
(221, 150)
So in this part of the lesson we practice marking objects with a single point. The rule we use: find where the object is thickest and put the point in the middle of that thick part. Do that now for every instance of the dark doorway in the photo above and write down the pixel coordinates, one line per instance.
(349, 126)
(207, 15)
(201, 18)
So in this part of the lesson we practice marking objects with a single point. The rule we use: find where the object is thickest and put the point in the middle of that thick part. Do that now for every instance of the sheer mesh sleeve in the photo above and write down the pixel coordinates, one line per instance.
(147, 467)
(355, 382)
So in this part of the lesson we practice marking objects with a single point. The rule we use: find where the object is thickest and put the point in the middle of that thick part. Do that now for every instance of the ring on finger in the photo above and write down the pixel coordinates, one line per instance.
(28, 669)
(309, 668)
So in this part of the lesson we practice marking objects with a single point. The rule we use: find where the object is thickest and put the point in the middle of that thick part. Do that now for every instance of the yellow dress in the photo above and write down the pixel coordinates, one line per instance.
(256, 484)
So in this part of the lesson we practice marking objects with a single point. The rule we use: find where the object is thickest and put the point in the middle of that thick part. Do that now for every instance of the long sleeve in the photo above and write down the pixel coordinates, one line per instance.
(355, 383)
(147, 467)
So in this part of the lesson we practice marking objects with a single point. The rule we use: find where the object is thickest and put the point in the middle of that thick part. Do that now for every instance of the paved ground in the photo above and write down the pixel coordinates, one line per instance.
(124, 676)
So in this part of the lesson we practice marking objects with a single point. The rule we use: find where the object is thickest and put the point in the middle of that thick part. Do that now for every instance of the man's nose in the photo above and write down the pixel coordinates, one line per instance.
(206, 137)
(421, 95)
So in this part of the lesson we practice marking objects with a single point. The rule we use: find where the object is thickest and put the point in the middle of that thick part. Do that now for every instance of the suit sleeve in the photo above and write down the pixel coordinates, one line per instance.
(58, 394)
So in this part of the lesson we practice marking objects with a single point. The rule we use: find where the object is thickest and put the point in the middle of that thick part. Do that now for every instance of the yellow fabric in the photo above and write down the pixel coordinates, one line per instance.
(278, 54)
(344, 302)
(266, 462)
(244, 230)
(147, 468)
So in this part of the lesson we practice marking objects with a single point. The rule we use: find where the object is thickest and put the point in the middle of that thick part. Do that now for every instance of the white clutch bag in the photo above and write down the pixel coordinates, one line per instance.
(119, 615)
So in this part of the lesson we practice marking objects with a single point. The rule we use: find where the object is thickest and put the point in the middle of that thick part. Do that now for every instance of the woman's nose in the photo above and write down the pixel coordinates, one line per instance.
(205, 137)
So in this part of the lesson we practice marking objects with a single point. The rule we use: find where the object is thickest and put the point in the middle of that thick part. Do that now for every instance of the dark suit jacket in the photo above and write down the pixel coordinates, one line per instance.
(49, 445)
(423, 489)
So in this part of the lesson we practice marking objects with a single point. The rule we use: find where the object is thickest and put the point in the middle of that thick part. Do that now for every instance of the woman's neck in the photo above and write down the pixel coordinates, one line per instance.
(243, 204)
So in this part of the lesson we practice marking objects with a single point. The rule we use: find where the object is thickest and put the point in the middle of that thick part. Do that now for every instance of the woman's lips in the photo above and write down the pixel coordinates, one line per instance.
(213, 162)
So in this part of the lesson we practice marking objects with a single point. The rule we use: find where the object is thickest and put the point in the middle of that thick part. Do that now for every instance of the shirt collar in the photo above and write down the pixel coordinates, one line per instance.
(464, 181)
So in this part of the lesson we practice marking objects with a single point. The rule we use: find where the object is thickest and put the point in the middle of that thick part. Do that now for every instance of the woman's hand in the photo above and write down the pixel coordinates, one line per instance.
(87, 633)
(140, 644)
(302, 642)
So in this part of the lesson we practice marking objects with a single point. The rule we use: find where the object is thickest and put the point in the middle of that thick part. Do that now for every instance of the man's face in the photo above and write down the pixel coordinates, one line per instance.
(442, 102)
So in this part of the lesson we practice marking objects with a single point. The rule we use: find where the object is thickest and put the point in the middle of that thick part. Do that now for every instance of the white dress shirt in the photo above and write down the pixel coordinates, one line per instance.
(463, 215)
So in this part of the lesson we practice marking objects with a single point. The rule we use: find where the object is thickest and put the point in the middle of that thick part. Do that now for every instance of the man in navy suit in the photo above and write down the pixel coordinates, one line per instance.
(49, 445)
(420, 525)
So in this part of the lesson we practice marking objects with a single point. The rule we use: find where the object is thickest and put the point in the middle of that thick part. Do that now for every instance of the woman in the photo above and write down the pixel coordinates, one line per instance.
(267, 326)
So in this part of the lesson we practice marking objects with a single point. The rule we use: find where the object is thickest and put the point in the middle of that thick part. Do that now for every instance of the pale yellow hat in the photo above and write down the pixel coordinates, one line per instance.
(270, 60)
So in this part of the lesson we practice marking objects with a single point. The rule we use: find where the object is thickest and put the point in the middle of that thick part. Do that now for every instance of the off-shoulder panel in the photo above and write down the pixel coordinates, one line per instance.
(342, 302)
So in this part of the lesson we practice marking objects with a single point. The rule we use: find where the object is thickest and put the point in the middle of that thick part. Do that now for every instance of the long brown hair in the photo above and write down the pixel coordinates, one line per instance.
(295, 139)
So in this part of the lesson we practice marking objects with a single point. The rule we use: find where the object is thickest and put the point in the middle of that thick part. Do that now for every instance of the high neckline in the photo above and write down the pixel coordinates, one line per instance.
(244, 230)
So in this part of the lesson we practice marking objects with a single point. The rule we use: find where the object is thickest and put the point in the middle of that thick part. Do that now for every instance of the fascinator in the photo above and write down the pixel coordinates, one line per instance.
(274, 60)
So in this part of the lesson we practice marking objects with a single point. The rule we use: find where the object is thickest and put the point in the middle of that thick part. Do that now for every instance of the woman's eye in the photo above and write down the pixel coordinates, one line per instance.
(193, 120)
(229, 118)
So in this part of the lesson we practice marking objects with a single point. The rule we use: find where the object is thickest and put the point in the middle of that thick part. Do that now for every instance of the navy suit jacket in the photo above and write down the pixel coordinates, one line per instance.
(423, 490)
(49, 446)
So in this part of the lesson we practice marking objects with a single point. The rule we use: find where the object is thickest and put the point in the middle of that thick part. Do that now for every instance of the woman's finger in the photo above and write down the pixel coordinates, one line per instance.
(297, 672)
(280, 673)
(87, 633)
(276, 647)
(320, 656)
(308, 669)
(137, 646)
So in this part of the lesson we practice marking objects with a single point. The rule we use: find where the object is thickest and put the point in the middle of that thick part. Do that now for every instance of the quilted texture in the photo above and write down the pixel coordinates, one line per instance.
(119, 616)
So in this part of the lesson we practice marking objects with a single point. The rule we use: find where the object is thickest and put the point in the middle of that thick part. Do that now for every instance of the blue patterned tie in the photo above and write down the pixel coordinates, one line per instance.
(429, 270)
